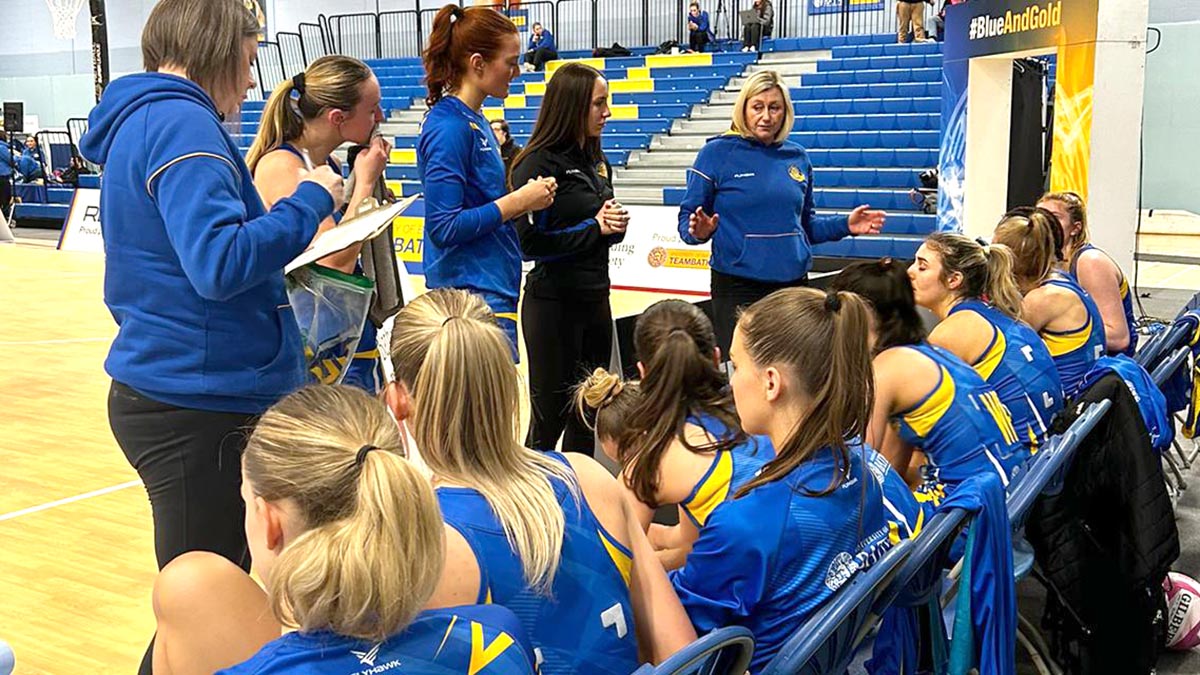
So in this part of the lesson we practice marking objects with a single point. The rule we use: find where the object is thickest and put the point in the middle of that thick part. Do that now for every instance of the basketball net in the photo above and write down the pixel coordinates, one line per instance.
(63, 14)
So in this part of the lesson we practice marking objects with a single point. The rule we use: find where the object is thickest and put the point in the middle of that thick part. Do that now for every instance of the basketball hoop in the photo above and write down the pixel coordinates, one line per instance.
(63, 14)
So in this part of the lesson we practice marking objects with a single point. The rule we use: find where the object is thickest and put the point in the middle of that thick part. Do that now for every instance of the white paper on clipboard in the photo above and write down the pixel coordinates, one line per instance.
(350, 232)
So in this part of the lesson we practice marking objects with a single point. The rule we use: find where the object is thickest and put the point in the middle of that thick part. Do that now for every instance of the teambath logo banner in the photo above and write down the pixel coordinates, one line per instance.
(1035, 17)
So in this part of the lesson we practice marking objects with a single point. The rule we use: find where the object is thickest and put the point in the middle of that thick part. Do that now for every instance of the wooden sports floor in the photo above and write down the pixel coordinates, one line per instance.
(76, 551)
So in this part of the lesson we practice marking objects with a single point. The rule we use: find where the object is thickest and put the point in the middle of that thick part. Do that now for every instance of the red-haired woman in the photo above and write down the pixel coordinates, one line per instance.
(470, 240)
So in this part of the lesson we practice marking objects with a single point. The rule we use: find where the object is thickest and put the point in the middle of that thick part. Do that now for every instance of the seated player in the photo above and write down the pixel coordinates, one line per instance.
(676, 434)
(1054, 305)
(926, 398)
(547, 535)
(773, 554)
(347, 536)
(1096, 272)
(951, 277)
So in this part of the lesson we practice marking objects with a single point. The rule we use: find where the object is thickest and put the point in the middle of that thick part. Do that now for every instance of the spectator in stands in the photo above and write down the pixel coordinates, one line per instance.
(758, 186)
(206, 339)
(470, 239)
(348, 538)
(77, 168)
(541, 49)
(753, 34)
(1095, 271)
(699, 31)
(29, 164)
(910, 13)
(803, 378)
(335, 101)
(508, 147)
(566, 317)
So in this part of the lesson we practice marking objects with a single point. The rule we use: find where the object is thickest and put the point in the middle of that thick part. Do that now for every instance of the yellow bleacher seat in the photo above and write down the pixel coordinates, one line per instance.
(630, 86)
(552, 66)
(518, 100)
(405, 156)
(678, 60)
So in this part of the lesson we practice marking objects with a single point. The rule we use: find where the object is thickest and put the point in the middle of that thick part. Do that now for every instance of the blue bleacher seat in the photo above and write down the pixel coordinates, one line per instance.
(826, 643)
(724, 651)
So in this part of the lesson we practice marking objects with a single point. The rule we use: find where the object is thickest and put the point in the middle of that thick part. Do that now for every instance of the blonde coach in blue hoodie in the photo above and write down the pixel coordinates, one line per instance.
(194, 273)
(750, 191)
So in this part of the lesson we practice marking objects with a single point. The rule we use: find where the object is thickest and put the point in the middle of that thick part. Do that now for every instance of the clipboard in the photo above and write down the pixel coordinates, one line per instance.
(368, 221)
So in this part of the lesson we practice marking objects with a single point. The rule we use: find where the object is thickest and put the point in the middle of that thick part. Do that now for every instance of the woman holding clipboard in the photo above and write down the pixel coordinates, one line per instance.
(207, 340)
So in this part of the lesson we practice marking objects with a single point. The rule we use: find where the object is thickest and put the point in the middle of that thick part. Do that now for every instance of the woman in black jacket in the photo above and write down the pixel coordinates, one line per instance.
(566, 318)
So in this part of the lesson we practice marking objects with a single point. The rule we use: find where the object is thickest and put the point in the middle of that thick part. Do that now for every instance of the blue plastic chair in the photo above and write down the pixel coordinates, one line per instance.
(1161, 343)
(725, 651)
(1172, 363)
(827, 641)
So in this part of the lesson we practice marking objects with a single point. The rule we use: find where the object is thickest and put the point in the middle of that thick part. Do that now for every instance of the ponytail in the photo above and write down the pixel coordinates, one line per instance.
(987, 270)
(457, 34)
(676, 343)
(280, 123)
(1035, 239)
(373, 552)
(821, 340)
(466, 422)
(1002, 291)
(611, 400)
(369, 574)
(329, 82)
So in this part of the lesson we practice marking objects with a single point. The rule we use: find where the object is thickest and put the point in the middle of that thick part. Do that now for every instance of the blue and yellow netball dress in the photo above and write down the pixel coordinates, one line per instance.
(586, 624)
(961, 425)
(1020, 368)
(1075, 351)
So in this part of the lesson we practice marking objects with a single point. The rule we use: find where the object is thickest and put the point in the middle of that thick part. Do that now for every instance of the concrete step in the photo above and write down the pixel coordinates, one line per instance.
(771, 58)
(693, 143)
(639, 195)
(408, 117)
(390, 129)
(792, 80)
(635, 175)
(791, 71)
(720, 111)
(641, 159)
(701, 127)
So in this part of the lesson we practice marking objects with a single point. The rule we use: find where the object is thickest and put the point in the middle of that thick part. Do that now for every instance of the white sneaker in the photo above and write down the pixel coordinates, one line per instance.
(751, 48)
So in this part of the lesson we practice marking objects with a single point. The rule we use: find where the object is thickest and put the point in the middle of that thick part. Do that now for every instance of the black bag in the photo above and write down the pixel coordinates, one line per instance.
(667, 47)
(616, 50)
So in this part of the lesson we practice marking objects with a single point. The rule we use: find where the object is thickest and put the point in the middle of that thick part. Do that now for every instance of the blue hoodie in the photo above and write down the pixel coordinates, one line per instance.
(763, 194)
(194, 273)
(546, 41)
(467, 243)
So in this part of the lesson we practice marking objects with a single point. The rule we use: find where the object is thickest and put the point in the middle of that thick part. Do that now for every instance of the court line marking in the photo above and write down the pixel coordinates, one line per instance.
(61, 341)
(69, 500)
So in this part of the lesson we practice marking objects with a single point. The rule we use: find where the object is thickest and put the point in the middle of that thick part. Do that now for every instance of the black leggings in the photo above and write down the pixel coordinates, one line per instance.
(730, 294)
(190, 462)
(566, 340)
(697, 40)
